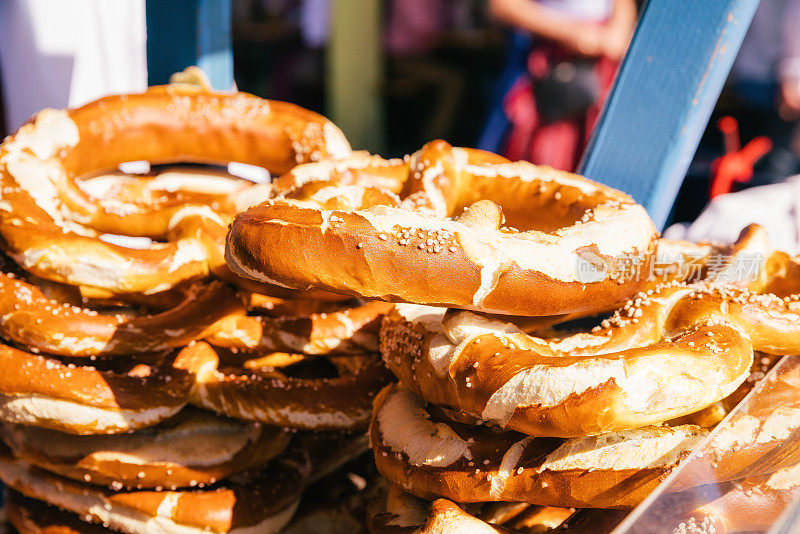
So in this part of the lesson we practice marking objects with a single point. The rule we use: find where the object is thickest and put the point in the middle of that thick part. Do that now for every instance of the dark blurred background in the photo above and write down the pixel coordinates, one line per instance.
(440, 66)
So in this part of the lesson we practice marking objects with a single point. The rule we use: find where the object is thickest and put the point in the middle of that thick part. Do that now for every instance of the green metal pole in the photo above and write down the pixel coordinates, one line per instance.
(355, 71)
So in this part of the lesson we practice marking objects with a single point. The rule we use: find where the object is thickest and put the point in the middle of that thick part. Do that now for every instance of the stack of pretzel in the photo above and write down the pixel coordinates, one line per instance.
(145, 388)
(186, 351)
(482, 257)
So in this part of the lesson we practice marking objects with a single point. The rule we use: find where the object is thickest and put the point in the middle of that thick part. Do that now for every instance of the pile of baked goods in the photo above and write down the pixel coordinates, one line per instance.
(493, 405)
(187, 351)
(144, 387)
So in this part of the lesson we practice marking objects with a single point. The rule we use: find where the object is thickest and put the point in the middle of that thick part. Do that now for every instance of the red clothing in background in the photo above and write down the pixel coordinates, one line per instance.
(559, 144)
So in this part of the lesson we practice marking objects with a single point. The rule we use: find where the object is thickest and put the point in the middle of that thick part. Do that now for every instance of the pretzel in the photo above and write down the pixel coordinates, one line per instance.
(29, 516)
(431, 457)
(196, 449)
(122, 396)
(345, 331)
(751, 505)
(396, 512)
(687, 262)
(282, 307)
(612, 379)
(272, 397)
(79, 399)
(263, 503)
(753, 442)
(51, 226)
(356, 169)
(576, 235)
(32, 319)
(422, 352)
(159, 194)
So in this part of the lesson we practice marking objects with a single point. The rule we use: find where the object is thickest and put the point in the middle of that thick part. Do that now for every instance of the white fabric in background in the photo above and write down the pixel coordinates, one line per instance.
(776, 207)
(64, 53)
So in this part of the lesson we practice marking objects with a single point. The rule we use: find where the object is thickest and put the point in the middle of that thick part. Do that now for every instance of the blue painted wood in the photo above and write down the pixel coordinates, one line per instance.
(665, 92)
(181, 33)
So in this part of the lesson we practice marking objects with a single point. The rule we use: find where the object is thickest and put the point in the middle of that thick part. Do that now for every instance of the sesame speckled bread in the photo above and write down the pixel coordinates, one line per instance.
(51, 226)
(33, 319)
(273, 397)
(623, 377)
(254, 504)
(432, 457)
(102, 398)
(195, 448)
(337, 330)
(558, 224)
(121, 395)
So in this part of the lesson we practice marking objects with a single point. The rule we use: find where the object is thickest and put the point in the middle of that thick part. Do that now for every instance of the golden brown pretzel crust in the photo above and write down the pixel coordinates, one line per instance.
(351, 330)
(50, 226)
(48, 393)
(274, 493)
(271, 397)
(397, 512)
(122, 395)
(29, 516)
(32, 319)
(576, 386)
(432, 457)
(165, 456)
(410, 255)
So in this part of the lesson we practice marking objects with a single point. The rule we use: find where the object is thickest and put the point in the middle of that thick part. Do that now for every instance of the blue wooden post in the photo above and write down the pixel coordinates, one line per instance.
(664, 94)
(181, 33)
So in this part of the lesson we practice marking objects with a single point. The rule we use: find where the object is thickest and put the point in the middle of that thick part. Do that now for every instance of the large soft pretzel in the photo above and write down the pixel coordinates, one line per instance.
(118, 395)
(432, 457)
(195, 448)
(81, 399)
(270, 396)
(31, 318)
(262, 503)
(50, 225)
(750, 505)
(581, 384)
(570, 250)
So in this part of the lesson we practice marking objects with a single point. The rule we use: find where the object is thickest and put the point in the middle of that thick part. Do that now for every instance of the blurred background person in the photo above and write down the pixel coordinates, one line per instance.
(560, 64)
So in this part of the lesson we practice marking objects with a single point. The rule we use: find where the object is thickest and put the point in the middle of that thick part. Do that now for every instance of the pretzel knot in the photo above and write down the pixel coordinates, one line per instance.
(565, 247)
(668, 352)
(52, 226)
